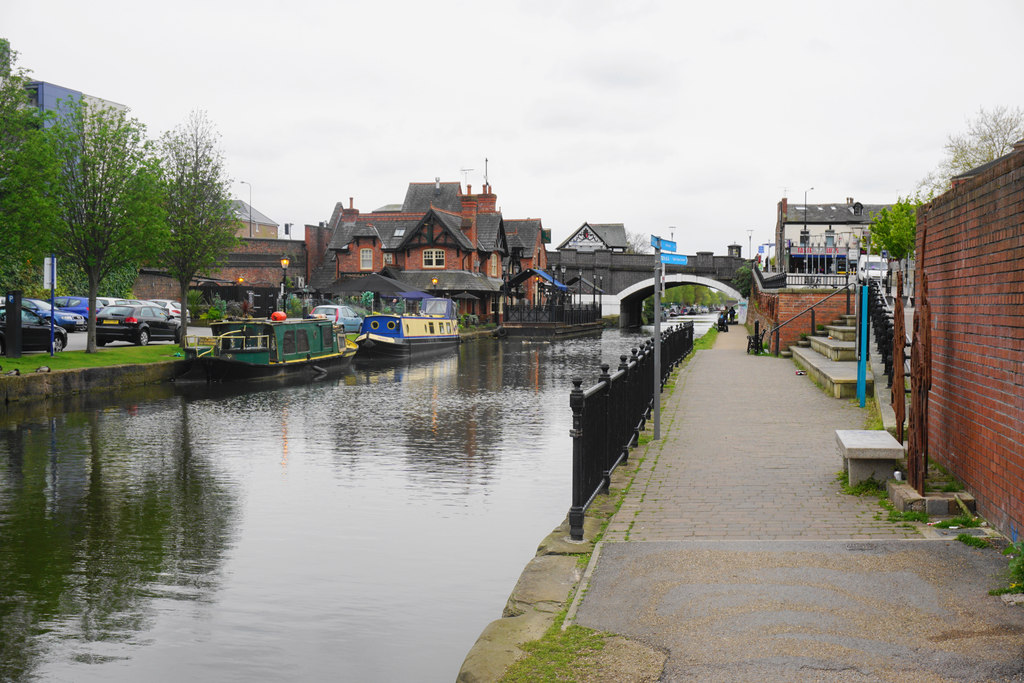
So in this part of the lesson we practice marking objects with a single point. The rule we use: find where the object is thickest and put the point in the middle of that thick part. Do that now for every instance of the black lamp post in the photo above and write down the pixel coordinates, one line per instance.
(562, 268)
(284, 278)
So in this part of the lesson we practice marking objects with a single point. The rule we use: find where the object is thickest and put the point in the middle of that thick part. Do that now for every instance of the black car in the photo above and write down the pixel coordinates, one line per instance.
(136, 324)
(35, 332)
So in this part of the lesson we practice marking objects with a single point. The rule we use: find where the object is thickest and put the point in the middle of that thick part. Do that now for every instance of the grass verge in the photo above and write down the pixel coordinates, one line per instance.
(559, 655)
(104, 357)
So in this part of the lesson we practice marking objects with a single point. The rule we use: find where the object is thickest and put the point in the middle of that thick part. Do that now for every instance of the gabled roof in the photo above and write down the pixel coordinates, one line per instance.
(421, 196)
(522, 232)
(241, 210)
(488, 232)
(833, 214)
(612, 235)
(390, 229)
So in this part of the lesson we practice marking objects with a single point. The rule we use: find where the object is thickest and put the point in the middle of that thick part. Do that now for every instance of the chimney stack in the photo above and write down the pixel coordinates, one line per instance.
(437, 185)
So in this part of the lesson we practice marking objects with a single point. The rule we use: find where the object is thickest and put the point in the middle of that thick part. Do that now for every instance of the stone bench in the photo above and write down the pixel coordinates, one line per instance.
(868, 454)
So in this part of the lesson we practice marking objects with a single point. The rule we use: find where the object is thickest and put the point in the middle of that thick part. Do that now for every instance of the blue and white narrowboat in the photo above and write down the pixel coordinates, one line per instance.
(434, 328)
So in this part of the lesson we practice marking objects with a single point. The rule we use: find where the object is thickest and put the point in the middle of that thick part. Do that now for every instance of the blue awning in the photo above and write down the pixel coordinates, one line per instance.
(530, 272)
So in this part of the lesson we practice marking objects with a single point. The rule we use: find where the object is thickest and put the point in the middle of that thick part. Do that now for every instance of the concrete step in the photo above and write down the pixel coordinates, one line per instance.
(836, 378)
(846, 321)
(834, 349)
(841, 332)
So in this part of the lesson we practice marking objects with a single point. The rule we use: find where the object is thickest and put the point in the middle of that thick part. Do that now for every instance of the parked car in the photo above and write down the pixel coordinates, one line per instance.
(35, 332)
(66, 319)
(136, 324)
(173, 308)
(104, 301)
(339, 315)
(75, 304)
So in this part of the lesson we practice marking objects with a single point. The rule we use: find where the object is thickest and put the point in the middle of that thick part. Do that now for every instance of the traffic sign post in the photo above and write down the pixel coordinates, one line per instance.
(662, 245)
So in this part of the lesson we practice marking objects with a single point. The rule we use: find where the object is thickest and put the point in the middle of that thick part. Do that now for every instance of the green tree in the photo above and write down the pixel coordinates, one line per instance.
(109, 193)
(742, 280)
(28, 168)
(198, 202)
(989, 136)
(893, 229)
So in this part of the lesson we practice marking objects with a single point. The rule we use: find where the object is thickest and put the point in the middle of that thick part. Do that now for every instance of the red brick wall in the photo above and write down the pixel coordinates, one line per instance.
(788, 303)
(970, 243)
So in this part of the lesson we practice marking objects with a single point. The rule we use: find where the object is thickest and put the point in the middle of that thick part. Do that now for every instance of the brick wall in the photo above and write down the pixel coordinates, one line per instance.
(257, 261)
(777, 306)
(970, 244)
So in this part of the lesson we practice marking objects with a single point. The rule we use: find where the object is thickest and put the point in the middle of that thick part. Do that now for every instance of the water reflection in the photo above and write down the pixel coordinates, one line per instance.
(365, 527)
(101, 511)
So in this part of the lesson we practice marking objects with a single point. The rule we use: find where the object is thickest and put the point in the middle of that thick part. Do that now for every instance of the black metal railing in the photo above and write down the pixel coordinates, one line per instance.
(607, 418)
(568, 314)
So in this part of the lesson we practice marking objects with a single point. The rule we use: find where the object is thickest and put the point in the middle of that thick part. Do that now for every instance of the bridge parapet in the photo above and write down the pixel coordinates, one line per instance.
(620, 271)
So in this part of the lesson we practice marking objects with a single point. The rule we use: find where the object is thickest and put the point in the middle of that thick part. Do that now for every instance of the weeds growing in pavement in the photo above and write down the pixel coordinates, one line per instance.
(973, 541)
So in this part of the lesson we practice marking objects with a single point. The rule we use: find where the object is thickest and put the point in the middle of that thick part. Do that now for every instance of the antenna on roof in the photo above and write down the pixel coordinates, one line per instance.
(465, 175)
(486, 181)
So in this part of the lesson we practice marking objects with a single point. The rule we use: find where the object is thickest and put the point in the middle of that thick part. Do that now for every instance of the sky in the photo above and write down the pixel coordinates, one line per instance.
(686, 120)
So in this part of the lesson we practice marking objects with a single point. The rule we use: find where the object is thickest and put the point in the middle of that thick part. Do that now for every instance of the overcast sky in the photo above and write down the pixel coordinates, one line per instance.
(697, 115)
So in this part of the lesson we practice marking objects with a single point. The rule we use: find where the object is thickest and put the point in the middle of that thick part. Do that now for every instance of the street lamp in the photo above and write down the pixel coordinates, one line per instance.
(805, 213)
(750, 244)
(433, 284)
(284, 276)
(243, 182)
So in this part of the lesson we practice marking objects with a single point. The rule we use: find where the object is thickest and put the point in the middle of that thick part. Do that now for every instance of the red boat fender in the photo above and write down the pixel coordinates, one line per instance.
(278, 316)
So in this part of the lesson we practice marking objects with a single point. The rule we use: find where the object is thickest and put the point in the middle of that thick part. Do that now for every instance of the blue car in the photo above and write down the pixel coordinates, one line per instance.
(75, 304)
(66, 319)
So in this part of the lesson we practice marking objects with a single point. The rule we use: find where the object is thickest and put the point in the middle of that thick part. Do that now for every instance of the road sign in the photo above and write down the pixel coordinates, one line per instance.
(49, 272)
(760, 249)
(674, 259)
(664, 245)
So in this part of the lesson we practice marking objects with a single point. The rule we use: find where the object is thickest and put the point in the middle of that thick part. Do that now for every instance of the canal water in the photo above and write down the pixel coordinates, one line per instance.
(364, 528)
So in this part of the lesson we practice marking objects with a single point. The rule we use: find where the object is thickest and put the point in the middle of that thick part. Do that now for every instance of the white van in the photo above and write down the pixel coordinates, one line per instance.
(871, 266)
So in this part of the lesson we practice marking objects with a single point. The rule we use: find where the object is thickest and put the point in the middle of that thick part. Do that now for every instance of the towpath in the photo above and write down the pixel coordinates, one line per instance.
(736, 555)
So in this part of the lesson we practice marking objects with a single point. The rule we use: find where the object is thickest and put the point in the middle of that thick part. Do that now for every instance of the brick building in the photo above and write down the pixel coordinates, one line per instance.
(438, 240)
(970, 245)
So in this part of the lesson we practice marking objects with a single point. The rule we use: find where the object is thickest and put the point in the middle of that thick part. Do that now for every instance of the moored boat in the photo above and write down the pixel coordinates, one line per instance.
(434, 328)
(261, 349)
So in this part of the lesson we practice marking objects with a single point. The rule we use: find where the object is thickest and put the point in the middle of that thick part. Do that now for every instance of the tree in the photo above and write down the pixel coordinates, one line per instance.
(28, 168)
(637, 243)
(989, 136)
(198, 202)
(109, 194)
(893, 229)
(742, 280)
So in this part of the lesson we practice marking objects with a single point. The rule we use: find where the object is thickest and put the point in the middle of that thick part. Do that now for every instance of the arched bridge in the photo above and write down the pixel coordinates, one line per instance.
(628, 279)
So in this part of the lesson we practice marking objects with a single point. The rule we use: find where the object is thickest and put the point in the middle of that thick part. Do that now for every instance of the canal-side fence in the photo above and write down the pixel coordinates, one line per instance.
(568, 314)
(607, 418)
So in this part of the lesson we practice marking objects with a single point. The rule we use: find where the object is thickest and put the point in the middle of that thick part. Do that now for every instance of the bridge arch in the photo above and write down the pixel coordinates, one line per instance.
(631, 299)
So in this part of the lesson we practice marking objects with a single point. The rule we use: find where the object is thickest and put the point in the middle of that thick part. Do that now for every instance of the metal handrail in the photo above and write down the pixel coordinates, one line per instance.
(814, 305)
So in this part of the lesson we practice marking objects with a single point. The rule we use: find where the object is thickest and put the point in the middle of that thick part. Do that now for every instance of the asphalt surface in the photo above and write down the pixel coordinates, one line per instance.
(736, 554)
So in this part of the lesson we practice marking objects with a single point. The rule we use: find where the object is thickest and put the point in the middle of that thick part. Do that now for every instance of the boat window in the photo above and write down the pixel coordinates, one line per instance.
(289, 341)
(302, 340)
(430, 328)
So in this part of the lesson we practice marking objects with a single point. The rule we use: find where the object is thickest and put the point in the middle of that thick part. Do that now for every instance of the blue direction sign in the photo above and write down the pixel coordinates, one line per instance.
(673, 259)
(664, 245)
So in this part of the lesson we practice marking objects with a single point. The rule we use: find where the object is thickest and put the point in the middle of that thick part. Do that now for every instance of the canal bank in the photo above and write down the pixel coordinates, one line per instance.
(33, 386)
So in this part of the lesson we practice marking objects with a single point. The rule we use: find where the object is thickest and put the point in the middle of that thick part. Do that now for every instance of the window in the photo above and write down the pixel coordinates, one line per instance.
(494, 265)
(366, 259)
(433, 258)
(389, 258)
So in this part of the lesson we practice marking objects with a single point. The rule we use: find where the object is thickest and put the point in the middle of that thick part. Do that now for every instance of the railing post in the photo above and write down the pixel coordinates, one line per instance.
(814, 327)
(579, 496)
(608, 446)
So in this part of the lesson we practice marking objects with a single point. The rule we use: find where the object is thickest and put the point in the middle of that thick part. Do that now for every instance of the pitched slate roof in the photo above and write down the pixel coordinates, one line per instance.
(832, 214)
(522, 232)
(488, 228)
(421, 196)
(451, 280)
(241, 210)
(390, 229)
(612, 234)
